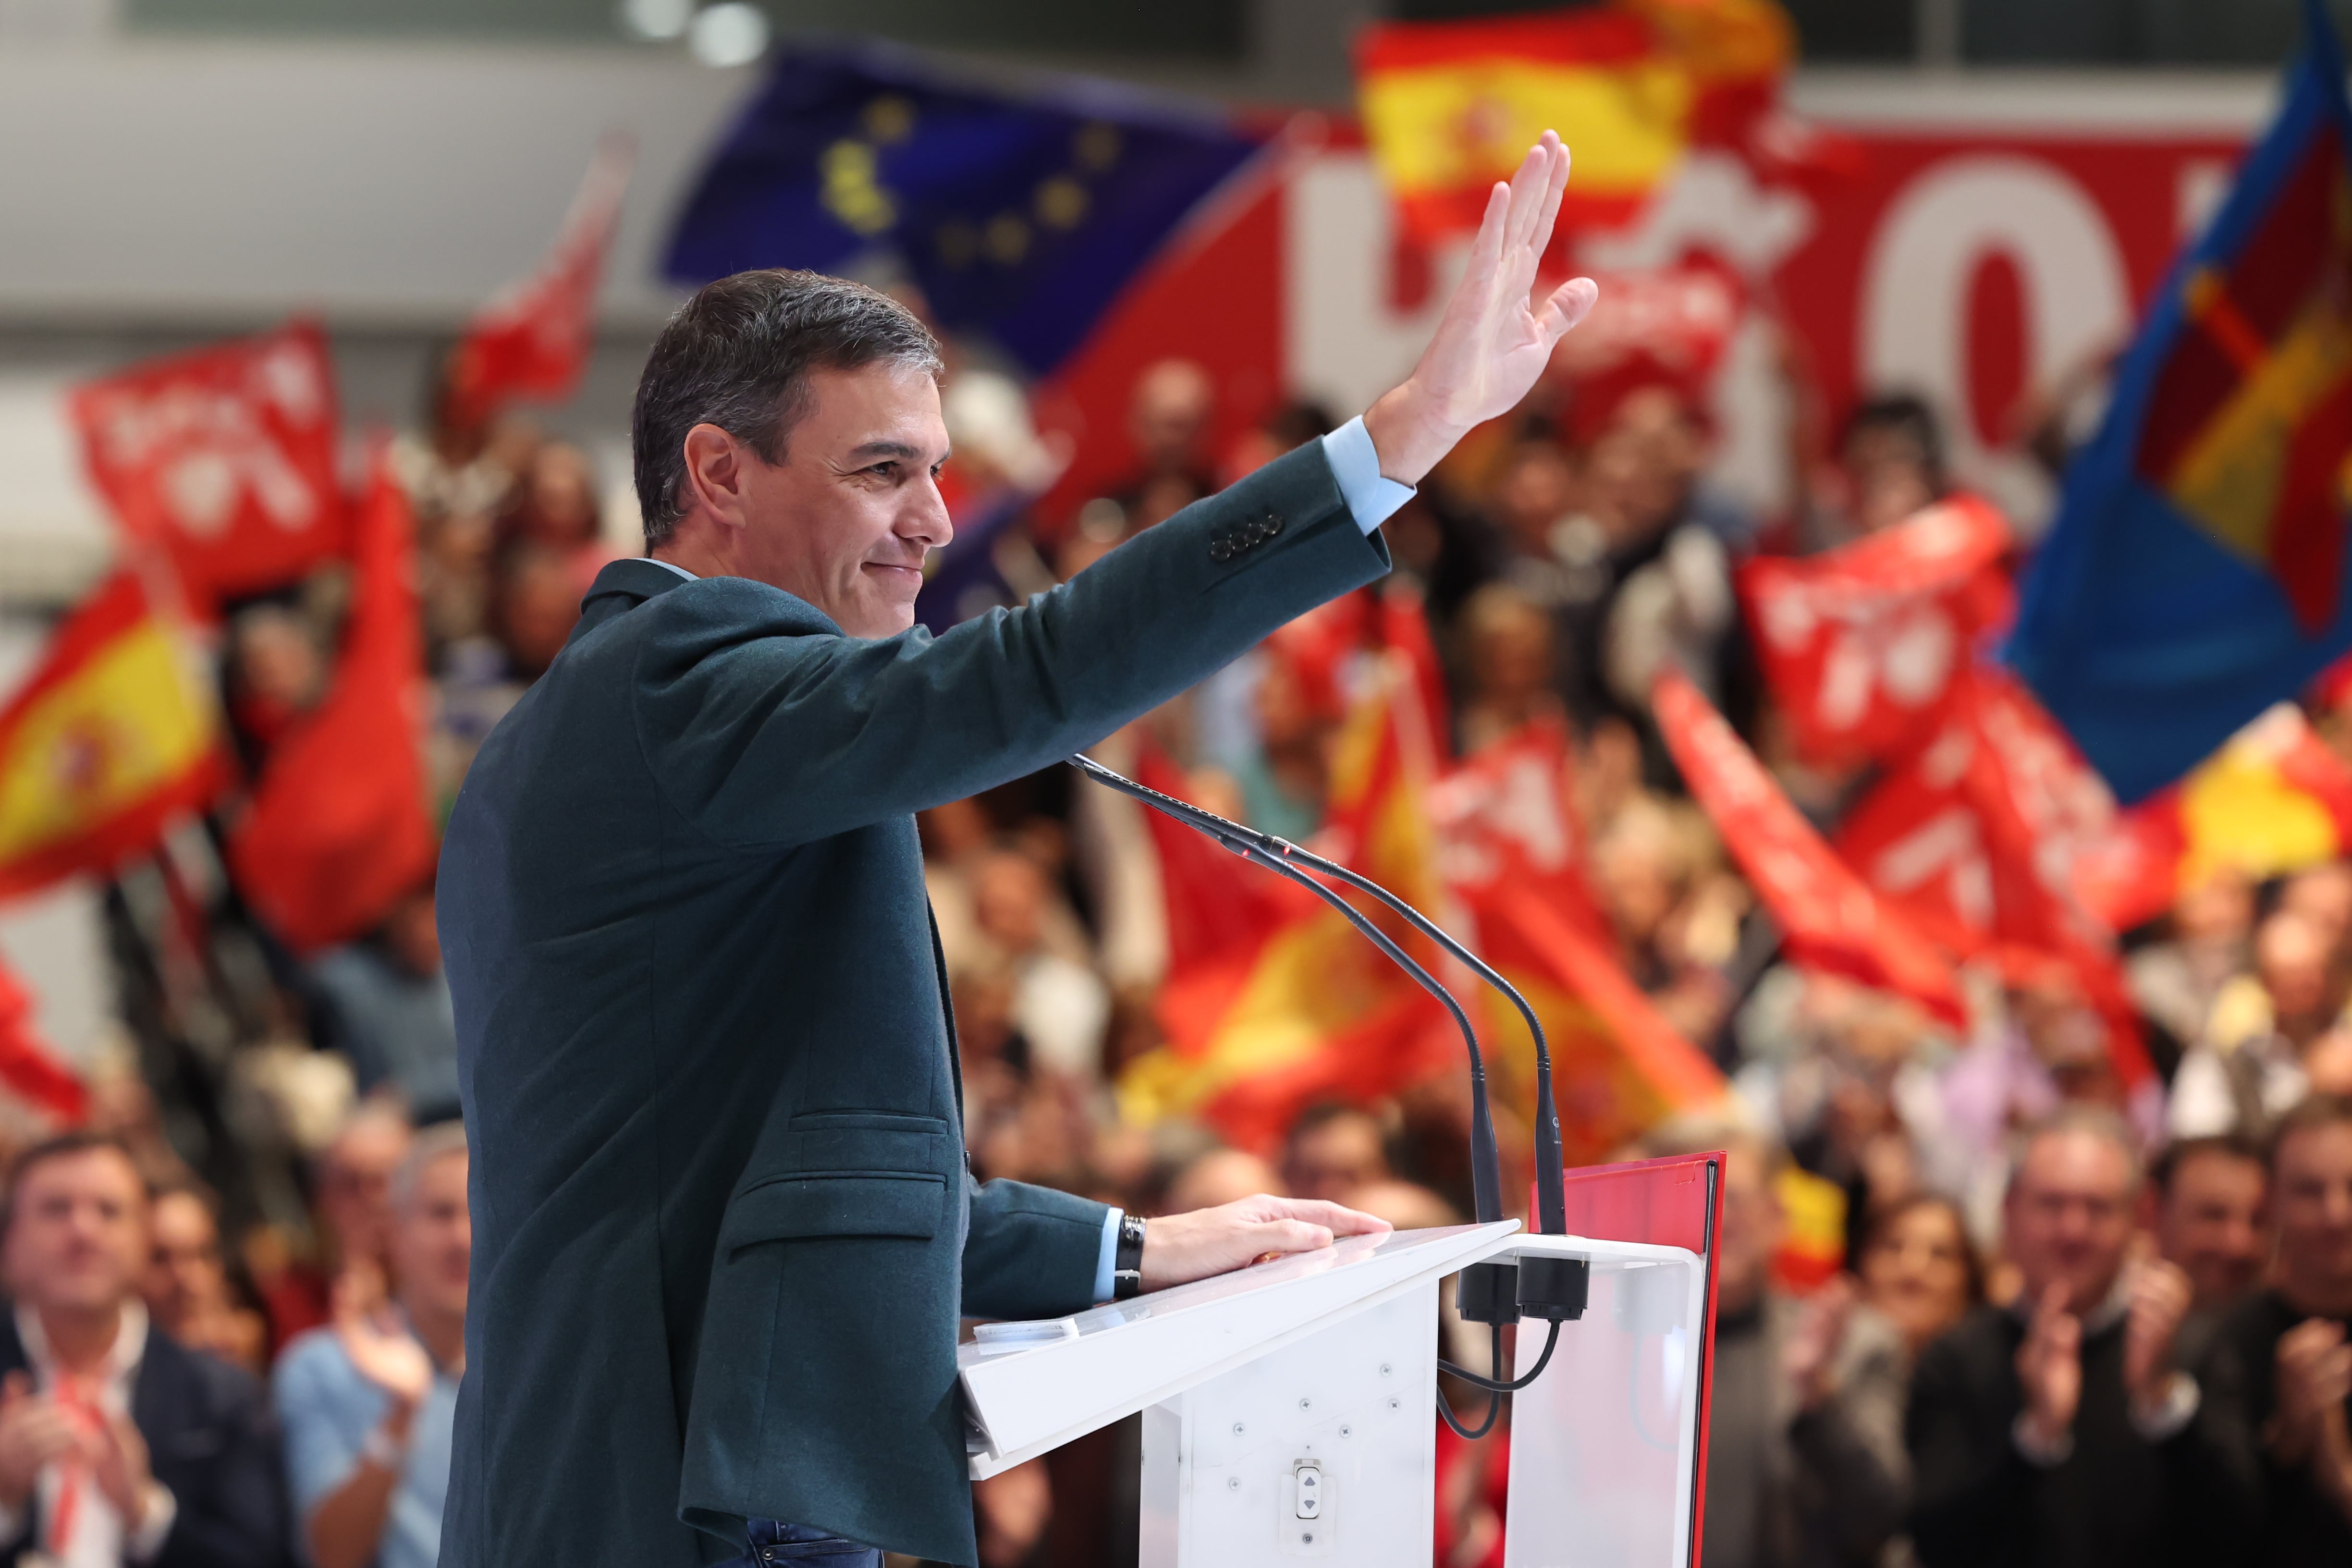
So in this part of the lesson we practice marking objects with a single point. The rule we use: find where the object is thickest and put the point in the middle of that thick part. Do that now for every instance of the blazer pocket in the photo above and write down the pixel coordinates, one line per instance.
(834, 1203)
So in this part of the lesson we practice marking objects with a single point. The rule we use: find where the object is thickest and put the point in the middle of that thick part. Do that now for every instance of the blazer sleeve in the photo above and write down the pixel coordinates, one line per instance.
(1032, 1251)
(1971, 1490)
(765, 727)
(243, 1521)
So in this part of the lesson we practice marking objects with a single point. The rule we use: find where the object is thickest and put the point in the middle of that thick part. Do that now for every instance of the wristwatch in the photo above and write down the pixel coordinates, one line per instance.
(1126, 1263)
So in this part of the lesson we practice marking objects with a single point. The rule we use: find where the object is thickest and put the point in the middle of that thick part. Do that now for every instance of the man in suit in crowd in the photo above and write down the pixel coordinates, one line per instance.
(724, 1226)
(118, 1445)
(2276, 1426)
(2054, 1432)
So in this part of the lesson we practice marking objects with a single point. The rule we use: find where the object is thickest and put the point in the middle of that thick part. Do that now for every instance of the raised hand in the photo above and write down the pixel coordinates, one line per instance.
(2160, 1295)
(34, 1431)
(2050, 1367)
(1184, 1247)
(118, 1457)
(379, 1344)
(1809, 1358)
(1495, 338)
(2314, 1376)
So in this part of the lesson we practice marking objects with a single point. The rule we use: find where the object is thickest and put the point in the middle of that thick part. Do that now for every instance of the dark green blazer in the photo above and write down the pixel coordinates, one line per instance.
(723, 1221)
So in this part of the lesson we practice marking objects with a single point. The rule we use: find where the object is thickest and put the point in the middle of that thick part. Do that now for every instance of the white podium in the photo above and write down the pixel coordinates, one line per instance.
(1289, 1410)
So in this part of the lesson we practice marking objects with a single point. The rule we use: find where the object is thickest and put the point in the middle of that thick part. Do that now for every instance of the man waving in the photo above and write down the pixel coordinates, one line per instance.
(723, 1224)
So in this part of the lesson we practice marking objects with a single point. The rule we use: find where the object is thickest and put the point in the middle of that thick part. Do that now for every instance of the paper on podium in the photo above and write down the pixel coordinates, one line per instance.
(1034, 1386)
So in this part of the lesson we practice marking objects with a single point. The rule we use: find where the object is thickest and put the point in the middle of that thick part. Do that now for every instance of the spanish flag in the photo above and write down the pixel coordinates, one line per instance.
(114, 736)
(1449, 107)
(1306, 1009)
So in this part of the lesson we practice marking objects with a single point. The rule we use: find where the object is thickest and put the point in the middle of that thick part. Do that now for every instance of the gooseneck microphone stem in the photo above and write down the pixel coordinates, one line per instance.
(1287, 859)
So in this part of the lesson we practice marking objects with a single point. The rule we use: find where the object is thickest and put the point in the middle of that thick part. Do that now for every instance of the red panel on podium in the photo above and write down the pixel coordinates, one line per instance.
(1673, 1202)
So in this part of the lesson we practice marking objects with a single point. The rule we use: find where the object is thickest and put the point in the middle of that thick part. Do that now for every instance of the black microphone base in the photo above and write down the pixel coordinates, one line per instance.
(1488, 1293)
(1554, 1289)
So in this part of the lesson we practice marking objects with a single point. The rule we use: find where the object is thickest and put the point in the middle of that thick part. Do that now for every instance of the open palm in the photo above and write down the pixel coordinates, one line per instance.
(1495, 338)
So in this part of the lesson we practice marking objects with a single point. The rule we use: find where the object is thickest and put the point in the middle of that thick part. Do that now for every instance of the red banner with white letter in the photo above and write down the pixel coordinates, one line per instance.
(225, 457)
(1864, 645)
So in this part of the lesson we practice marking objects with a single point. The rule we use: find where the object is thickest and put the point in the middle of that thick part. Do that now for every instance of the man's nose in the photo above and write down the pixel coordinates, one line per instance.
(927, 519)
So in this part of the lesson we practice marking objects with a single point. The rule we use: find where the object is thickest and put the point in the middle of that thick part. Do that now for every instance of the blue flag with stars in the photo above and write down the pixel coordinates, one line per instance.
(1020, 216)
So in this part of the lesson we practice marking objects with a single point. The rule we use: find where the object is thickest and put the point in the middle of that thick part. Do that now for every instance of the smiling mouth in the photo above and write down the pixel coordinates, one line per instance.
(913, 572)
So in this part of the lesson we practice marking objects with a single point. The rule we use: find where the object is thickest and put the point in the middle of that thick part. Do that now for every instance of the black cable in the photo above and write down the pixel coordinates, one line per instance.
(1281, 854)
(1494, 1400)
(1490, 1384)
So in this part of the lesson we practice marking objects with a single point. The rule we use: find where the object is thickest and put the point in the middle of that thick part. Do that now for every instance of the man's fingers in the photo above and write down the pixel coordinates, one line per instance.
(1337, 1218)
(1552, 194)
(1568, 305)
(1527, 188)
(1289, 1236)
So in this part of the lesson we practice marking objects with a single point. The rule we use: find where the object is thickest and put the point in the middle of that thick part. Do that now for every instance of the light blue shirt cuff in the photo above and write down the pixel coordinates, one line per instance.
(1105, 1265)
(1371, 495)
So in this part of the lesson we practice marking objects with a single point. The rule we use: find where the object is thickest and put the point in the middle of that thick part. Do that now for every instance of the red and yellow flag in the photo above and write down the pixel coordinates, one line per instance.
(1512, 856)
(1449, 107)
(1310, 1010)
(115, 734)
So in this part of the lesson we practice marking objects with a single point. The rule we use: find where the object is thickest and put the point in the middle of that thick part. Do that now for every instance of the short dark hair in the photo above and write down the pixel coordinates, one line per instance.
(739, 355)
(1901, 413)
(2166, 1166)
(78, 1142)
(2310, 1113)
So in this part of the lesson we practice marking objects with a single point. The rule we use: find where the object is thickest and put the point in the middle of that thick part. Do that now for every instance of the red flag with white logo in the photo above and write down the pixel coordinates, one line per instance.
(225, 457)
(1506, 815)
(1863, 645)
(1980, 836)
(532, 339)
(1830, 920)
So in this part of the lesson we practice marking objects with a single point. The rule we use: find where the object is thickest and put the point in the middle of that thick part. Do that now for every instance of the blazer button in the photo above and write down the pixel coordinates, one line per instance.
(1273, 525)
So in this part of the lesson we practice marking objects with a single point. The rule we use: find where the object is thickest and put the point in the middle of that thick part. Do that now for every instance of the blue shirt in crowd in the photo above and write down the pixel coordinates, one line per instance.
(326, 1409)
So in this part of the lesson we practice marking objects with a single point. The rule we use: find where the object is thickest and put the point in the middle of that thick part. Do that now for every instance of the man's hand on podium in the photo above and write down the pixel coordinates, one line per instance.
(1182, 1247)
(1494, 340)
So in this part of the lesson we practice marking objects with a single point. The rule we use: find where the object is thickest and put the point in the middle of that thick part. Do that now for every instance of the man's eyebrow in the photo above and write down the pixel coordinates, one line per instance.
(868, 453)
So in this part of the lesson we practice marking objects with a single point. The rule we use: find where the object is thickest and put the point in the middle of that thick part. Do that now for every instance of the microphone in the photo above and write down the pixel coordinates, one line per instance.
(1494, 1294)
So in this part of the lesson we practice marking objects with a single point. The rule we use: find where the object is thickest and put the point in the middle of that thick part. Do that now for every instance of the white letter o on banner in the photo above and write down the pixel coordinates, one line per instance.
(1914, 323)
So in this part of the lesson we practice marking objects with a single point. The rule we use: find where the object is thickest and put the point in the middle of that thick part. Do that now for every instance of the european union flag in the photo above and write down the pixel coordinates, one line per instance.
(2197, 570)
(1022, 216)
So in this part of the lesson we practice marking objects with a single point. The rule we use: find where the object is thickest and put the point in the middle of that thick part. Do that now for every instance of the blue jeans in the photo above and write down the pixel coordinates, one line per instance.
(773, 1544)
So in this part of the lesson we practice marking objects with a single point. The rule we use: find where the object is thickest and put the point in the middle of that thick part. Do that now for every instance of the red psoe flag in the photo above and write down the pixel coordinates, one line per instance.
(114, 736)
(224, 457)
(1829, 918)
(1863, 645)
(338, 829)
(532, 339)
(29, 1069)
(1979, 836)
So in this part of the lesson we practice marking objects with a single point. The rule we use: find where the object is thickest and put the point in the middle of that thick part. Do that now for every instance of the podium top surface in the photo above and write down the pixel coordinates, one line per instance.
(1032, 1386)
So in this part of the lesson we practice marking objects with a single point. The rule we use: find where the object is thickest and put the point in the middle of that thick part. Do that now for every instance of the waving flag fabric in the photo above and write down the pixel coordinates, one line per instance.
(114, 736)
(1258, 1030)
(1021, 215)
(2273, 800)
(224, 457)
(28, 1068)
(1977, 837)
(1829, 918)
(1864, 645)
(1449, 107)
(2197, 570)
(337, 829)
(532, 340)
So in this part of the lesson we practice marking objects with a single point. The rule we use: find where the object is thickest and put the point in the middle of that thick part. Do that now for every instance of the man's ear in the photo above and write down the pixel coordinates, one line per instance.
(718, 466)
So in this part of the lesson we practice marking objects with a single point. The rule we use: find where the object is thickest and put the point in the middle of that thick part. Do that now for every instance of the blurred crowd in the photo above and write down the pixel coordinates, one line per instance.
(1975, 1304)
